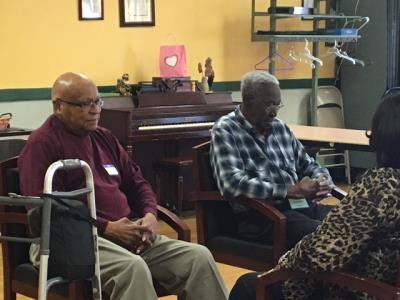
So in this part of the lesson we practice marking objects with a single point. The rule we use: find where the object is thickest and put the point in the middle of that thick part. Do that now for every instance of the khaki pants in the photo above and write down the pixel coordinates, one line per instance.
(184, 269)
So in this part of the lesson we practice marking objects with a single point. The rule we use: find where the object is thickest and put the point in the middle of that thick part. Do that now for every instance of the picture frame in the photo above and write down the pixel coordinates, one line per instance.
(91, 10)
(136, 13)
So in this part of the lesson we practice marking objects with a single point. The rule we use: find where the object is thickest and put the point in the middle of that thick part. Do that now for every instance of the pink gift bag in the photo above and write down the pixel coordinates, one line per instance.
(173, 61)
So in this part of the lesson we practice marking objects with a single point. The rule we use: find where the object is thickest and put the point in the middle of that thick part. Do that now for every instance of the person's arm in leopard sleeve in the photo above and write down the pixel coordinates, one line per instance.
(347, 230)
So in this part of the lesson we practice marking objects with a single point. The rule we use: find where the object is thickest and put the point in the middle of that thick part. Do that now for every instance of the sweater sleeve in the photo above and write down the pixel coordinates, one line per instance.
(137, 189)
(33, 162)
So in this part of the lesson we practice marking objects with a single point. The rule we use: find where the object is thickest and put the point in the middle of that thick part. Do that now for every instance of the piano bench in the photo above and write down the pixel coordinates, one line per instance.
(171, 176)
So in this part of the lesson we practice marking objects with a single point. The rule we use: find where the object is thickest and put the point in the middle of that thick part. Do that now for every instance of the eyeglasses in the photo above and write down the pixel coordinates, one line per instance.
(84, 106)
(273, 107)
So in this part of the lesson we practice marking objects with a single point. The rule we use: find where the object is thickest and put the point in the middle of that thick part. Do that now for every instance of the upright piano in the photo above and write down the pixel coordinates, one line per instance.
(163, 124)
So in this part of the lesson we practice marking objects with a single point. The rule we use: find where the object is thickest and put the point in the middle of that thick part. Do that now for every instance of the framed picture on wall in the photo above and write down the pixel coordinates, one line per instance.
(91, 9)
(136, 13)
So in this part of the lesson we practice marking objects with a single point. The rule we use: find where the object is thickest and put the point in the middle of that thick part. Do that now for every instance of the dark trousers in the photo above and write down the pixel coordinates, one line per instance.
(299, 222)
(245, 289)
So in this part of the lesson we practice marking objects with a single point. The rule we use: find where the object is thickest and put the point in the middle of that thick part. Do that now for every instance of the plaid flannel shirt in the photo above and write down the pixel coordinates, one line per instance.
(246, 163)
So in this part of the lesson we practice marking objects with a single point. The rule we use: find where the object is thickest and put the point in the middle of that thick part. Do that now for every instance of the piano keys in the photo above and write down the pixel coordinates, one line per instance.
(176, 126)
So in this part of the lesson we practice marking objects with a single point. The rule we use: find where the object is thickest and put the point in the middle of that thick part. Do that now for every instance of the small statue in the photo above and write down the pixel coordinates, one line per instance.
(207, 78)
(209, 72)
(123, 86)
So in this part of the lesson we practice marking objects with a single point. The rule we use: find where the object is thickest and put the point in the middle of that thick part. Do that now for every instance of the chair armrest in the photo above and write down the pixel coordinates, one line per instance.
(12, 217)
(263, 207)
(174, 222)
(278, 218)
(371, 286)
(338, 193)
(270, 212)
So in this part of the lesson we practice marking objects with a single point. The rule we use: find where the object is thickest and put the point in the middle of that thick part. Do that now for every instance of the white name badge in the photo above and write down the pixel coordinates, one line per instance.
(298, 203)
(111, 170)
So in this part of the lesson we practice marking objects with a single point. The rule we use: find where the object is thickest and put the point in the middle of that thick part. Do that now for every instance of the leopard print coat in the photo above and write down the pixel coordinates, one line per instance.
(361, 235)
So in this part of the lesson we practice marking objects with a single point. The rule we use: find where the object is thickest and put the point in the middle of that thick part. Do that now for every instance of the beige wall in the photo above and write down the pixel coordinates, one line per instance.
(43, 38)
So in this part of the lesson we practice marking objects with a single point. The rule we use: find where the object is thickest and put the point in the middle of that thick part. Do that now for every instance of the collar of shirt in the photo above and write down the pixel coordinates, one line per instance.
(250, 128)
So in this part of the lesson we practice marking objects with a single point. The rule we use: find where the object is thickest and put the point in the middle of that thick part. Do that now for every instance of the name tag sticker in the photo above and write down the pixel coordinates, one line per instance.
(298, 203)
(111, 170)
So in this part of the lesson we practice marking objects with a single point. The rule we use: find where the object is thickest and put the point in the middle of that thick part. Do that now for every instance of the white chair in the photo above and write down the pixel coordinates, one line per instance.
(330, 114)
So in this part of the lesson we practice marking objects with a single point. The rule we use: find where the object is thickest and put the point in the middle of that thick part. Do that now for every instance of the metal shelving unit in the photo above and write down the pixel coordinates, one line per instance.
(316, 17)
(302, 37)
(305, 16)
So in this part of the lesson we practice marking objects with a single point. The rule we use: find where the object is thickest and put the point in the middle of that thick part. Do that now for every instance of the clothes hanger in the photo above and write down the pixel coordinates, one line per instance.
(311, 58)
(293, 55)
(361, 59)
(343, 54)
(336, 51)
(287, 64)
(365, 19)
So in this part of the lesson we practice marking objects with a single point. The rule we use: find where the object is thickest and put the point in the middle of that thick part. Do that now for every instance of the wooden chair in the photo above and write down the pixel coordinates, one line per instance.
(170, 181)
(216, 225)
(19, 275)
(372, 287)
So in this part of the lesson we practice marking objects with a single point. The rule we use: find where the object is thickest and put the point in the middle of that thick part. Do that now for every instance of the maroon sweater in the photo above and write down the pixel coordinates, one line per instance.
(117, 196)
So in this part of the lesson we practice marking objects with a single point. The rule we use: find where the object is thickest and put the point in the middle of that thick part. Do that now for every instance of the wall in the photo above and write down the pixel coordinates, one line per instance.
(42, 39)
(31, 114)
(362, 87)
(27, 114)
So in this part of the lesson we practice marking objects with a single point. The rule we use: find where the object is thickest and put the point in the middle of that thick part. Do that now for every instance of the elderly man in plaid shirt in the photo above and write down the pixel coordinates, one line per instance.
(254, 154)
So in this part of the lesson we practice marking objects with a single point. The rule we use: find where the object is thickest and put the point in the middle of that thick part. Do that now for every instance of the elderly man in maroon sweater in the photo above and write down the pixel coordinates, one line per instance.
(131, 252)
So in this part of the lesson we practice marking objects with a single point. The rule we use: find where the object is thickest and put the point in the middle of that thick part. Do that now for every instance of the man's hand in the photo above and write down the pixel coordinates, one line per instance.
(149, 221)
(325, 185)
(311, 188)
(127, 233)
(305, 188)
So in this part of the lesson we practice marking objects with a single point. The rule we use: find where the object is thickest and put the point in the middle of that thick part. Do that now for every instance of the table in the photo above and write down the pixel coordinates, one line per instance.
(12, 140)
(338, 138)
(13, 133)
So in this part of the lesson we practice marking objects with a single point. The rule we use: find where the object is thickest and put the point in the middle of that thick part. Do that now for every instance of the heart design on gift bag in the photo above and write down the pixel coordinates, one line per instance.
(171, 60)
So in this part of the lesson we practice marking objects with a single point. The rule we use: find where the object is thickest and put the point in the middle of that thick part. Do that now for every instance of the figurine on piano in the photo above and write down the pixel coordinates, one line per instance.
(207, 78)
(209, 72)
(123, 86)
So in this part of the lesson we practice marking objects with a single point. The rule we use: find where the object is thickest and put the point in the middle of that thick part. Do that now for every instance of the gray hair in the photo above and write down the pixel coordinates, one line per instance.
(253, 81)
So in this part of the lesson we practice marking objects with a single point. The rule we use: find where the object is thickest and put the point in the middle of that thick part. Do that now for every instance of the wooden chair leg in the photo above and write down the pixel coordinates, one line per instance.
(180, 195)
(157, 188)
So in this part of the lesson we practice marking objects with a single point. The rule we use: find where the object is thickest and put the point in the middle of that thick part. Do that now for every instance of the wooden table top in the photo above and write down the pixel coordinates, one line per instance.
(348, 139)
